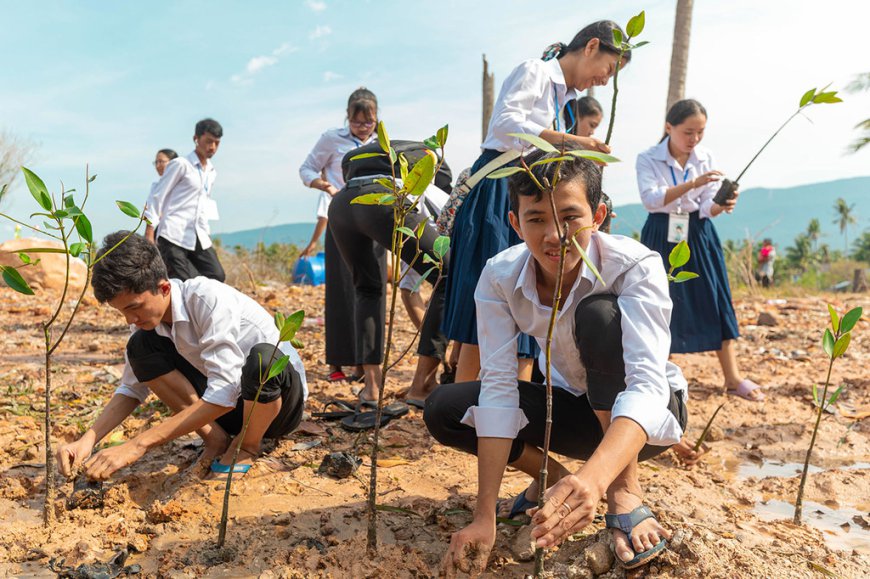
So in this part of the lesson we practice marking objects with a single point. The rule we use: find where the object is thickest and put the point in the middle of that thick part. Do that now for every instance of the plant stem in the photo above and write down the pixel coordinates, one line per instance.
(613, 100)
(706, 431)
(798, 505)
(767, 143)
(48, 507)
(36, 229)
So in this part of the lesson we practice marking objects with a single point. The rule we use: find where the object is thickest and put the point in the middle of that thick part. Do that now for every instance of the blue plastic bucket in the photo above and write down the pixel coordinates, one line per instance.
(310, 270)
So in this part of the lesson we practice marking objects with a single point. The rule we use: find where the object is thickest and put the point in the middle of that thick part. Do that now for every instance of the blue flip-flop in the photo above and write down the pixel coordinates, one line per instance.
(219, 468)
(520, 505)
(626, 523)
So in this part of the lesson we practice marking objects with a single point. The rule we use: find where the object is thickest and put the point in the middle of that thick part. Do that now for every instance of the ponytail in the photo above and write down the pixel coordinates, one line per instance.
(602, 30)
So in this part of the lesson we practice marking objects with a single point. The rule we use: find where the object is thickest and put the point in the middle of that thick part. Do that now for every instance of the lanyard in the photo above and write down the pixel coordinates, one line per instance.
(202, 179)
(674, 177)
(559, 114)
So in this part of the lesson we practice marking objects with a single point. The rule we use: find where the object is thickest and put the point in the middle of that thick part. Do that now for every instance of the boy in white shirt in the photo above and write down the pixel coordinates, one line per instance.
(616, 398)
(200, 346)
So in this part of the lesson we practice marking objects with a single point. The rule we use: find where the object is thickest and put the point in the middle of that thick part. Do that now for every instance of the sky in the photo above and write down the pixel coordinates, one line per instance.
(107, 84)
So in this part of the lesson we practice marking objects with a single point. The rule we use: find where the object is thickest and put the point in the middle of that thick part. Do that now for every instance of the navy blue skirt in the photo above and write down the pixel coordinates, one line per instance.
(703, 315)
(480, 230)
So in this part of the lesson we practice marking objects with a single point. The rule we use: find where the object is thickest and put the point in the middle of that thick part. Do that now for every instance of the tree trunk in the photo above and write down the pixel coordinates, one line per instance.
(680, 52)
(488, 97)
(859, 282)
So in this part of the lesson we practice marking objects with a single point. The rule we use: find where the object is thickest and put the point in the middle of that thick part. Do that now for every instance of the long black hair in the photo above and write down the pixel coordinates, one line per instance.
(682, 110)
(602, 30)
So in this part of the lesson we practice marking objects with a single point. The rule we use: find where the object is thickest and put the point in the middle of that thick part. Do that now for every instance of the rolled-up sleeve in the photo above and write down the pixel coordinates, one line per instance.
(522, 89)
(157, 198)
(708, 192)
(498, 413)
(646, 311)
(317, 160)
(221, 355)
(652, 188)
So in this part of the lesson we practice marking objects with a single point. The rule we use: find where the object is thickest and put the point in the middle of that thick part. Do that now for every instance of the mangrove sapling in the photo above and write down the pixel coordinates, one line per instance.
(403, 200)
(287, 328)
(632, 29)
(65, 219)
(835, 342)
(811, 97)
(700, 442)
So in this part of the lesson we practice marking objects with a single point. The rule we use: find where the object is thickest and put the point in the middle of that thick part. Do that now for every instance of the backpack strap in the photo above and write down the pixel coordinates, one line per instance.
(499, 161)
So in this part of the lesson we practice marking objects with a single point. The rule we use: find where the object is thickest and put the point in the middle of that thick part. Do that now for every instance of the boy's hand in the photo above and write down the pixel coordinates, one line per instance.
(469, 549)
(569, 507)
(69, 456)
(103, 464)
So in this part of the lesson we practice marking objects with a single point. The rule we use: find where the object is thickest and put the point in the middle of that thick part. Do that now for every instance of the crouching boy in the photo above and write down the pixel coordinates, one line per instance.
(200, 346)
(616, 399)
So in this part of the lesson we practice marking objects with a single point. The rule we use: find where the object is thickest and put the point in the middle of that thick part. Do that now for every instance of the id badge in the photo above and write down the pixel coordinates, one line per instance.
(211, 210)
(678, 227)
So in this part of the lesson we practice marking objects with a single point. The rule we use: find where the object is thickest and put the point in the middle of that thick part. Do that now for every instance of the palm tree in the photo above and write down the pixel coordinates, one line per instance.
(680, 52)
(861, 83)
(814, 231)
(800, 255)
(844, 219)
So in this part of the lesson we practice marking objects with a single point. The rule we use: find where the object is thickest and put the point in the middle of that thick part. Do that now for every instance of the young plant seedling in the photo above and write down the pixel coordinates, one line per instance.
(835, 342)
(811, 97)
(67, 224)
(632, 30)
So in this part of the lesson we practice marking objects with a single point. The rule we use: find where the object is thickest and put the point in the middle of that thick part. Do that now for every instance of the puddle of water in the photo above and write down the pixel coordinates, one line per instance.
(781, 469)
(829, 521)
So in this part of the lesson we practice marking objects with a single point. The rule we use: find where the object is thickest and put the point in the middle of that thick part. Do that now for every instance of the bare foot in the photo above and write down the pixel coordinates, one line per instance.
(645, 536)
(687, 454)
(503, 507)
(214, 445)
(246, 458)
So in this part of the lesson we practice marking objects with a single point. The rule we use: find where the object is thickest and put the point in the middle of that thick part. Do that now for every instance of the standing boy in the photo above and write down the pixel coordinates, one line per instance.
(200, 346)
(616, 399)
(181, 205)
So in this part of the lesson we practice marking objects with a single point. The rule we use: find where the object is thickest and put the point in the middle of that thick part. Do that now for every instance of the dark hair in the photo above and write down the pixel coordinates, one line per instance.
(579, 108)
(519, 185)
(169, 153)
(682, 110)
(134, 266)
(209, 126)
(608, 205)
(364, 101)
(602, 30)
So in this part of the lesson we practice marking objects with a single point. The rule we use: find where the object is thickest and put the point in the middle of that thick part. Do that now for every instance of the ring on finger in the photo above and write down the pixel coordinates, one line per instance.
(566, 512)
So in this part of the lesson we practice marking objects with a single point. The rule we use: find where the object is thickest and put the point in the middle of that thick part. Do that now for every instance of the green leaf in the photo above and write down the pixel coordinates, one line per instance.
(421, 175)
(828, 342)
(842, 344)
(423, 278)
(37, 188)
(128, 208)
(384, 138)
(386, 183)
(73, 211)
(428, 258)
(685, 276)
(548, 161)
(3, 190)
(639, 44)
(43, 250)
(850, 319)
(68, 201)
(297, 343)
(403, 166)
(441, 246)
(815, 393)
(808, 96)
(370, 199)
(835, 320)
(279, 320)
(827, 98)
(406, 231)
(387, 199)
(366, 156)
(586, 259)
(680, 255)
(432, 143)
(635, 24)
(60, 214)
(420, 229)
(594, 156)
(25, 259)
(14, 280)
(441, 135)
(835, 395)
(617, 37)
(393, 156)
(75, 249)
(536, 141)
(504, 172)
(278, 366)
(92, 178)
(291, 325)
(83, 226)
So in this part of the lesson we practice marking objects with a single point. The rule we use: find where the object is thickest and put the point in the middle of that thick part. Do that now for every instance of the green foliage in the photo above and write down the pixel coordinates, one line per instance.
(679, 257)
(37, 188)
(861, 248)
(535, 141)
(14, 280)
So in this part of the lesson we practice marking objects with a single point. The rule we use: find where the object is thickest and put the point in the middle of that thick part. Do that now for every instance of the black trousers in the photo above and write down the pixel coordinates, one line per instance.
(151, 356)
(185, 264)
(362, 232)
(340, 306)
(576, 429)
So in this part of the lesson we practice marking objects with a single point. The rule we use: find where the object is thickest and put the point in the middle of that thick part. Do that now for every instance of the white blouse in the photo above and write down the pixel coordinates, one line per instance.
(658, 171)
(529, 101)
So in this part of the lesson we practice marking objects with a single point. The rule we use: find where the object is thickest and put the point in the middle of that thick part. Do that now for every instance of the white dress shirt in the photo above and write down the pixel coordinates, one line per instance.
(324, 161)
(507, 304)
(214, 327)
(529, 101)
(179, 203)
(654, 178)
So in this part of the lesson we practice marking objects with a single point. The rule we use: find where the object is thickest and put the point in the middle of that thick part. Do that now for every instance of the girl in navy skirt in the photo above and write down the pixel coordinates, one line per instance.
(677, 181)
(531, 101)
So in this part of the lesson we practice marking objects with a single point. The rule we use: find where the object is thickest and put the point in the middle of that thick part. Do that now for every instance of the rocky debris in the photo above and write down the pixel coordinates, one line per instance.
(599, 558)
(113, 568)
(87, 494)
(339, 464)
(521, 545)
(766, 319)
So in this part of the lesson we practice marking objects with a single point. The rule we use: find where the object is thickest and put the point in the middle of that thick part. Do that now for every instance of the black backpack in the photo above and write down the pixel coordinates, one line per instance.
(413, 150)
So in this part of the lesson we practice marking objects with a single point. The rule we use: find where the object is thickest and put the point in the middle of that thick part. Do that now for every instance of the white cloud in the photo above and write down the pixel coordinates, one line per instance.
(329, 75)
(316, 5)
(320, 32)
(258, 63)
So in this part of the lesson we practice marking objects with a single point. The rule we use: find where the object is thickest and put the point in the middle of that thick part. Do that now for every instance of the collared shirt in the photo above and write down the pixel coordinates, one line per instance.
(507, 304)
(324, 161)
(527, 103)
(214, 327)
(178, 204)
(654, 178)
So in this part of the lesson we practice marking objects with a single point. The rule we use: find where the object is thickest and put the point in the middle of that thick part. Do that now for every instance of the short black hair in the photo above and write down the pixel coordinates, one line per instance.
(209, 126)
(134, 266)
(520, 185)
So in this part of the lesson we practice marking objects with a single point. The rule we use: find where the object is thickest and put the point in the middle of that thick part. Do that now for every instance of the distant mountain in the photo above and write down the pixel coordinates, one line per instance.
(780, 214)
(776, 213)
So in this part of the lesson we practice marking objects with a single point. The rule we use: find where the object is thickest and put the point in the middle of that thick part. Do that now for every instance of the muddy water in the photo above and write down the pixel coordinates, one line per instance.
(839, 527)
(782, 469)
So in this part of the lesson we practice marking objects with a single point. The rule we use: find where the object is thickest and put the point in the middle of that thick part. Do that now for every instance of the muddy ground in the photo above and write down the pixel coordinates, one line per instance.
(731, 512)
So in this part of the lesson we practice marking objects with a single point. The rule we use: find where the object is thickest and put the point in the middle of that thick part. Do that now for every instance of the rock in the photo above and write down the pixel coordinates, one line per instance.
(50, 272)
(715, 433)
(578, 572)
(766, 319)
(267, 574)
(339, 464)
(599, 558)
(521, 545)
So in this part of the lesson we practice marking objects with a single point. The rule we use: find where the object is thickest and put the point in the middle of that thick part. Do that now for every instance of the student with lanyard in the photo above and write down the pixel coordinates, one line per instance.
(677, 180)
(322, 170)
(181, 205)
(530, 101)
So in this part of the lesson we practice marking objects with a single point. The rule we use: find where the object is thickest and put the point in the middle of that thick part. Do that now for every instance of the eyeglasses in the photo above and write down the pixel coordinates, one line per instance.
(160, 162)
(361, 124)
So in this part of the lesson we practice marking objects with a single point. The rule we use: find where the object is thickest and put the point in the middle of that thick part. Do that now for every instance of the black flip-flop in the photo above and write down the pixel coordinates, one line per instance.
(346, 410)
(421, 404)
(363, 421)
(396, 409)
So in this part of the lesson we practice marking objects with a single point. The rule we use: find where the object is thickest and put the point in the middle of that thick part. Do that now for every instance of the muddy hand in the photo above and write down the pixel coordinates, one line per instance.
(569, 507)
(70, 456)
(469, 549)
(106, 462)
